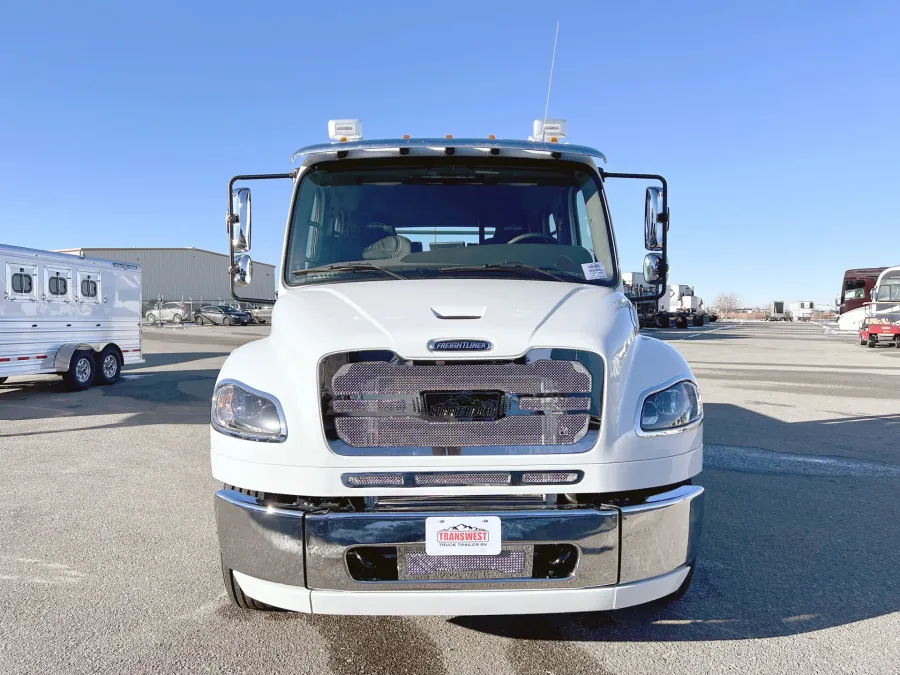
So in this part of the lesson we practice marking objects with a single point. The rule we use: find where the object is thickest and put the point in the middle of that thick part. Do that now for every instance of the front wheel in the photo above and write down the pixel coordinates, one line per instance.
(177, 319)
(109, 366)
(873, 340)
(236, 595)
(82, 370)
(198, 320)
(681, 592)
(227, 321)
(152, 319)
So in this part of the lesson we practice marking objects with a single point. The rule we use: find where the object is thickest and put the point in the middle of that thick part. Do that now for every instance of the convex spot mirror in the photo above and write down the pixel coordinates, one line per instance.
(653, 228)
(241, 270)
(240, 221)
(653, 268)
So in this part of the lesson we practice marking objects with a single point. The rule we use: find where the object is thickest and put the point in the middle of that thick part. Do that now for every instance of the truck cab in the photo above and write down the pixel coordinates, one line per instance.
(455, 411)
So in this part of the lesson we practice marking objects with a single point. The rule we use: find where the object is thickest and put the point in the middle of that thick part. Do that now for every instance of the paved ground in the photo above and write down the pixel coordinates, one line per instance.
(108, 553)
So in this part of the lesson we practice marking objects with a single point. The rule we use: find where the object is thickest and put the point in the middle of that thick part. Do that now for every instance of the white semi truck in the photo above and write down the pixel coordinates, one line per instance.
(454, 412)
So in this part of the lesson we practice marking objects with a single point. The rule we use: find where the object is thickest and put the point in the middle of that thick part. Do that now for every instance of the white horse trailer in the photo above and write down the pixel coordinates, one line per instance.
(60, 313)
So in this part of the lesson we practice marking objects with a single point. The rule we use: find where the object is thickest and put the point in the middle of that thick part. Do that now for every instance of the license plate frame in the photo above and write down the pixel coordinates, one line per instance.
(463, 535)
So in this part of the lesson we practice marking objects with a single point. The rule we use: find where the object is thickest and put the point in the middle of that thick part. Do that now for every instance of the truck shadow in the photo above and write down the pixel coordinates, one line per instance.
(790, 545)
(166, 388)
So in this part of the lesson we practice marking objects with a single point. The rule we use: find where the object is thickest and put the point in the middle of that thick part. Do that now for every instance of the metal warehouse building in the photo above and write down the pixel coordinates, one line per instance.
(189, 274)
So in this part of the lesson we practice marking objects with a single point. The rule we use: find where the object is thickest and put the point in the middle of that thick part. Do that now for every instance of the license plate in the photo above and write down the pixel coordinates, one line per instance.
(456, 535)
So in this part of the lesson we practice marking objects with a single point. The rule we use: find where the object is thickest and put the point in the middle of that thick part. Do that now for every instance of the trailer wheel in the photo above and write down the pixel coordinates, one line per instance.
(82, 369)
(236, 595)
(873, 340)
(109, 366)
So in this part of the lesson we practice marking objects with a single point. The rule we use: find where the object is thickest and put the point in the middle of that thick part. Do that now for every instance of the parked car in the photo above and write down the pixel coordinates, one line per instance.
(221, 314)
(169, 311)
(261, 314)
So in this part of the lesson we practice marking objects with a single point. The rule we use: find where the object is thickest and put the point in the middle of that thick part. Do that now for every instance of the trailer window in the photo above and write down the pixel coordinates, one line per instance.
(89, 288)
(22, 283)
(57, 285)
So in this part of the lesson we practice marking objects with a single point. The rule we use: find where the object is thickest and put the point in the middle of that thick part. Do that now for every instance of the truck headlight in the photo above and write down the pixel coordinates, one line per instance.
(671, 409)
(241, 411)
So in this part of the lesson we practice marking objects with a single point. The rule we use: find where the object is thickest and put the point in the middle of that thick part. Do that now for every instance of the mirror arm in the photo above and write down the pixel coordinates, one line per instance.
(664, 265)
(231, 219)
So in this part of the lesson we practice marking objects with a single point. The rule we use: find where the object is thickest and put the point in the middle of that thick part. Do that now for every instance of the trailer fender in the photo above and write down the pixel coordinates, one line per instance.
(64, 355)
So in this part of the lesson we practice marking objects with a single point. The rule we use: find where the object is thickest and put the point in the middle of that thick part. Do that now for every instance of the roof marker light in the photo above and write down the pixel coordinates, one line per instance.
(547, 130)
(345, 130)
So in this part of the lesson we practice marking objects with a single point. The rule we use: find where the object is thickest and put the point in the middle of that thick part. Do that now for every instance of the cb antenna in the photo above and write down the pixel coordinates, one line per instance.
(550, 84)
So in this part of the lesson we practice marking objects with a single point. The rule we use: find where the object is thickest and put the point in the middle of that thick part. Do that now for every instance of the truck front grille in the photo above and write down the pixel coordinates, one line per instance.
(543, 400)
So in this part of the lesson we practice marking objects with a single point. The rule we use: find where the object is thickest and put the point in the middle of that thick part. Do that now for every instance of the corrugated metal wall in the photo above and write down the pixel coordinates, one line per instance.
(186, 273)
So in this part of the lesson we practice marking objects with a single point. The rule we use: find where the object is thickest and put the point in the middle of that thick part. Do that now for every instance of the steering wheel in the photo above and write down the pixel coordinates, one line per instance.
(530, 237)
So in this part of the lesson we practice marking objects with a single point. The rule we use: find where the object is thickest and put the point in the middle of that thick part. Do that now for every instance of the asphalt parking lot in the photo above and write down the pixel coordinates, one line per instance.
(109, 559)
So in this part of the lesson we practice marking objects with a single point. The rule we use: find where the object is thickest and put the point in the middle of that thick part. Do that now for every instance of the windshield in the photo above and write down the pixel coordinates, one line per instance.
(374, 220)
(855, 289)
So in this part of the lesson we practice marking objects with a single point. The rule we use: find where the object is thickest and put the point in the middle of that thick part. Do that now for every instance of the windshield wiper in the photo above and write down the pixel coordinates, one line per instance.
(347, 267)
(507, 267)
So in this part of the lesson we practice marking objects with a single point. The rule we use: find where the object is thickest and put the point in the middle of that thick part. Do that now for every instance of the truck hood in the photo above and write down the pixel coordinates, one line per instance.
(513, 314)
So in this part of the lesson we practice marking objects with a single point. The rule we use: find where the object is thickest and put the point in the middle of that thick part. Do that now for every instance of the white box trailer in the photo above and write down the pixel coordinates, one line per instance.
(59, 313)
(802, 310)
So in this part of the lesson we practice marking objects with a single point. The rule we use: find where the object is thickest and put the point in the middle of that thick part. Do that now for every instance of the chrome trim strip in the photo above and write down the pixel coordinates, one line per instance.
(259, 438)
(264, 542)
(440, 144)
(674, 430)
(662, 534)
(593, 531)
(411, 478)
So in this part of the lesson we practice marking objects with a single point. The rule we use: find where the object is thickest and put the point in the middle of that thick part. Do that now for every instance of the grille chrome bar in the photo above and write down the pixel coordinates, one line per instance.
(555, 403)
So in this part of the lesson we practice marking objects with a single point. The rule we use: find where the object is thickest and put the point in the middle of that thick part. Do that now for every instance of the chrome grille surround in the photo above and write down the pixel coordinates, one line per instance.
(546, 401)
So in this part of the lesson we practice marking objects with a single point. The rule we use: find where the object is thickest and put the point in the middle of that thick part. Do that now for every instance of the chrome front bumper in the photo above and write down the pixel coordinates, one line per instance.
(615, 545)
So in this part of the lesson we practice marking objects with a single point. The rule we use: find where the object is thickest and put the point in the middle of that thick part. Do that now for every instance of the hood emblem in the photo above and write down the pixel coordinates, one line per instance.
(459, 345)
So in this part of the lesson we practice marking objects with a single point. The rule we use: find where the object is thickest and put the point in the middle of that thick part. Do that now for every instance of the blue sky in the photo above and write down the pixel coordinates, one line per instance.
(774, 122)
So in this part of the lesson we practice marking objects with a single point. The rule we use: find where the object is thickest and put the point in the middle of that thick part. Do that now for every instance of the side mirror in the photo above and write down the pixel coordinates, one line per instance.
(653, 268)
(240, 220)
(653, 228)
(874, 295)
(241, 270)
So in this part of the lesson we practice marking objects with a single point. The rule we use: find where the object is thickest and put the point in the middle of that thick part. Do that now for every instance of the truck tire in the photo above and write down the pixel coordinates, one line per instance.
(662, 322)
(82, 369)
(698, 320)
(681, 322)
(109, 366)
(236, 595)
(681, 592)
